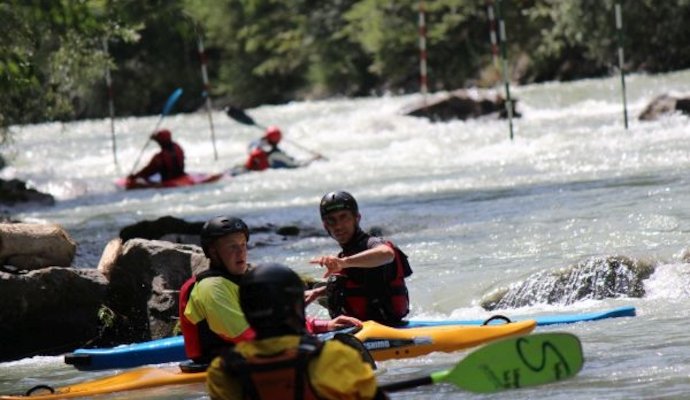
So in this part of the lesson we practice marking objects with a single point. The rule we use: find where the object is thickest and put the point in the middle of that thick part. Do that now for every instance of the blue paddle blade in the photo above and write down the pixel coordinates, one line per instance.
(171, 101)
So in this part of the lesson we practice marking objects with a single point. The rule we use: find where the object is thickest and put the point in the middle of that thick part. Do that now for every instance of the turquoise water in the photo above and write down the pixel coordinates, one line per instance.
(473, 210)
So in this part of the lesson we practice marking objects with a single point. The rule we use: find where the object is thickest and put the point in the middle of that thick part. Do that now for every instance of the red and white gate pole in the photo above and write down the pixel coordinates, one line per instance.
(422, 51)
(492, 32)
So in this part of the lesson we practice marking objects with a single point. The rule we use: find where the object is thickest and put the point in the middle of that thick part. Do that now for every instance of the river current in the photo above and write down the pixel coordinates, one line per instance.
(474, 211)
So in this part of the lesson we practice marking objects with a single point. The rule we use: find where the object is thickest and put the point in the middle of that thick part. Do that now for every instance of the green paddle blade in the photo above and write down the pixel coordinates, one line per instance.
(516, 363)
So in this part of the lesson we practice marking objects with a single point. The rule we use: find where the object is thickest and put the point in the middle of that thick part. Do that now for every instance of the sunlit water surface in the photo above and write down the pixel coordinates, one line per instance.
(474, 210)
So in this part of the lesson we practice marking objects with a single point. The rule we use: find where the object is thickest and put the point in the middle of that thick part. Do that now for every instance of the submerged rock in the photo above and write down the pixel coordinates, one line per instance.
(595, 278)
(177, 230)
(14, 191)
(461, 104)
(48, 311)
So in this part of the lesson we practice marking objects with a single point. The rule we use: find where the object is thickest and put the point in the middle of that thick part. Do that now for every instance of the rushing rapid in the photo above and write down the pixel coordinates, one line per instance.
(474, 211)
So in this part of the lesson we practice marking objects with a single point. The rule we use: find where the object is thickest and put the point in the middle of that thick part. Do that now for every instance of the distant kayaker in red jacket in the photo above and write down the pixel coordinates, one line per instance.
(168, 163)
(264, 153)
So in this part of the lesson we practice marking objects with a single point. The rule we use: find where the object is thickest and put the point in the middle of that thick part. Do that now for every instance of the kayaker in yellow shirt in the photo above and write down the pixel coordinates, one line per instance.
(284, 362)
(210, 315)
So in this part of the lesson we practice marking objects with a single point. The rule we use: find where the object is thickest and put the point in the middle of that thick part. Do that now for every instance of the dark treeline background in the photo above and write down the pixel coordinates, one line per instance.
(52, 58)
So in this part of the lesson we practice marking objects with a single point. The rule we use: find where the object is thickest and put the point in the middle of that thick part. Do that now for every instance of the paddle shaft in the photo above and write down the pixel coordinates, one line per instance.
(166, 109)
(403, 385)
(240, 116)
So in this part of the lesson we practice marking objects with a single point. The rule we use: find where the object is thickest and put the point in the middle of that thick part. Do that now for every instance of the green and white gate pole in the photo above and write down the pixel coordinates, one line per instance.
(502, 37)
(619, 31)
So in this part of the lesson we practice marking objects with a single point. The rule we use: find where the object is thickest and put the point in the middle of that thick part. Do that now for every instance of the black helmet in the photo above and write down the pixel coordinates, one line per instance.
(219, 227)
(272, 300)
(336, 201)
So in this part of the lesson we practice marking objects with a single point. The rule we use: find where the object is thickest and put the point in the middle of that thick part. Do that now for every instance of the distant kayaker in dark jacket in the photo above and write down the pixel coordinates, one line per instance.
(367, 278)
(168, 163)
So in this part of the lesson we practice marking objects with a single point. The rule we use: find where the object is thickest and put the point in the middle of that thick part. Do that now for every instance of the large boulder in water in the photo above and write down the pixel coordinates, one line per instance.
(177, 230)
(461, 104)
(595, 278)
(35, 246)
(167, 226)
(49, 311)
(14, 191)
(144, 288)
(665, 104)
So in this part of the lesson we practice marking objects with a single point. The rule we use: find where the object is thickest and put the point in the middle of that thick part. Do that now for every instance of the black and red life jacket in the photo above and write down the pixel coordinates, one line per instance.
(378, 294)
(201, 344)
(283, 376)
(172, 159)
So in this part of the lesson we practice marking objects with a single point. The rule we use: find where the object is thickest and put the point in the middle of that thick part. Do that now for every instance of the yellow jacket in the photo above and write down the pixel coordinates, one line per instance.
(217, 301)
(338, 372)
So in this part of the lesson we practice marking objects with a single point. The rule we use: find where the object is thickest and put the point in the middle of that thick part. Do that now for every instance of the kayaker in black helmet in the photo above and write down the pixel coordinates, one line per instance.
(366, 279)
(284, 362)
(210, 315)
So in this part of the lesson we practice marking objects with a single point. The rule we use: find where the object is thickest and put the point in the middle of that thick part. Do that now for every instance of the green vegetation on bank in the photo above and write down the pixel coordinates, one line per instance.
(52, 60)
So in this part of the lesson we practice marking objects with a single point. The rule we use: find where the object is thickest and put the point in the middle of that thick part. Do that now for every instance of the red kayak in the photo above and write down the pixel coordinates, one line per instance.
(184, 180)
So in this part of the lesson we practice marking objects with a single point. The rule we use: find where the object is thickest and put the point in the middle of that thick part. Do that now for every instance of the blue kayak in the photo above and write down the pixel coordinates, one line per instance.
(172, 349)
(627, 311)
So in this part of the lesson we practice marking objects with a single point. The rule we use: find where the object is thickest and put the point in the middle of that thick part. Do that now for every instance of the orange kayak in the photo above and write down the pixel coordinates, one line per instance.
(184, 180)
(383, 342)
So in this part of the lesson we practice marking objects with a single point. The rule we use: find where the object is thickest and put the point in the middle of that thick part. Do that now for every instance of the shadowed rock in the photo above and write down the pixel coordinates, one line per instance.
(48, 311)
(595, 278)
(665, 104)
(144, 288)
(177, 230)
(14, 191)
(461, 104)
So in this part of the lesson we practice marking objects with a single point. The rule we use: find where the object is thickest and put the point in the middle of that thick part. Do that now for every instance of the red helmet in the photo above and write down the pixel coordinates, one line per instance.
(162, 136)
(273, 135)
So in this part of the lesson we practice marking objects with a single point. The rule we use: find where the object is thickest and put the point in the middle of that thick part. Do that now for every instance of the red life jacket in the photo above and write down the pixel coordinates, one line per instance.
(172, 160)
(378, 294)
(200, 343)
(258, 160)
(283, 376)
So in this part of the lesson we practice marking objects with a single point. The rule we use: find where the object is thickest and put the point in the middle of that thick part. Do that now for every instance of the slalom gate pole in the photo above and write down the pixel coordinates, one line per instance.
(111, 105)
(619, 31)
(207, 93)
(422, 51)
(492, 32)
(502, 37)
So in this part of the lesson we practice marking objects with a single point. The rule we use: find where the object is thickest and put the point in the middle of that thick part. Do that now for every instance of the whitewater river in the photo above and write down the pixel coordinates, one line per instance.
(474, 210)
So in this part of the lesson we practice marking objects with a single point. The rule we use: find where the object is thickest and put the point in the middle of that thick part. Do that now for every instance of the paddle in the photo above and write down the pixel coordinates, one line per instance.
(240, 116)
(511, 363)
(172, 99)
